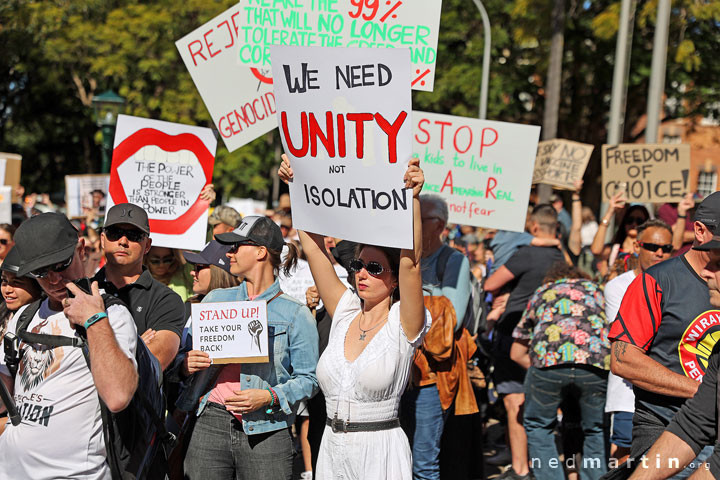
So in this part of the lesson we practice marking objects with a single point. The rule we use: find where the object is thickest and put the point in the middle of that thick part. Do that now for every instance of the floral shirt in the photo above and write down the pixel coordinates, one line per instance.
(565, 323)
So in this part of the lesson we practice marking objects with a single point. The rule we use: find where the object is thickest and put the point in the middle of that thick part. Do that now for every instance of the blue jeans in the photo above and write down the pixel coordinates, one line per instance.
(219, 449)
(545, 389)
(423, 421)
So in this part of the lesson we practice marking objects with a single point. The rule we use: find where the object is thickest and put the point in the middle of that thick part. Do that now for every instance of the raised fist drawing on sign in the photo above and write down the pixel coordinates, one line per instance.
(255, 328)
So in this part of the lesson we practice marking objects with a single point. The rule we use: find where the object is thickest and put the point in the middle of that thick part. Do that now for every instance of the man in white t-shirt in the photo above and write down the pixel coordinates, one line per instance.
(61, 433)
(653, 245)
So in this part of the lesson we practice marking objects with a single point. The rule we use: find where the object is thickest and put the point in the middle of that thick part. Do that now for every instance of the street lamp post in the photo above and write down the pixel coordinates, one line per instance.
(107, 106)
(486, 60)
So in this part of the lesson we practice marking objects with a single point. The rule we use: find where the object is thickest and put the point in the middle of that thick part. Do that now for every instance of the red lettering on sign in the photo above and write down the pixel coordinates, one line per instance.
(448, 182)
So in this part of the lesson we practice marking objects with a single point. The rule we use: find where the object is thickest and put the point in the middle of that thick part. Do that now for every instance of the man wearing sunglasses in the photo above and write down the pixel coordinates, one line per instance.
(159, 312)
(57, 393)
(664, 332)
(652, 246)
(696, 424)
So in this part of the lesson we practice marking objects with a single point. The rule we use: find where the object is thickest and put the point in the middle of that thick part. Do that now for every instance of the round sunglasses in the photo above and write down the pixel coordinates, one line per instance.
(373, 268)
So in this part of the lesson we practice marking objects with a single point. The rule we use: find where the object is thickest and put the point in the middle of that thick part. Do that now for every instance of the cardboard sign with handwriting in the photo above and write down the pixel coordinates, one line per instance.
(648, 173)
(561, 162)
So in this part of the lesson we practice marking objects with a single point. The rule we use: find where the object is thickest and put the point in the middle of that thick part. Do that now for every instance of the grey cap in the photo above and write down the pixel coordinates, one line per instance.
(255, 229)
(226, 215)
(128, 213)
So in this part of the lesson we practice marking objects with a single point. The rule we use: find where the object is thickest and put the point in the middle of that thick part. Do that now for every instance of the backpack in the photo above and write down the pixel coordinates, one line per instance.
(136, 438)
(475, 319)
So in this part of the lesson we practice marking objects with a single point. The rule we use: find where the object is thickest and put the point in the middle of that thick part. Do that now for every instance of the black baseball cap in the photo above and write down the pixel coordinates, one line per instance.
(708, 212)
(12, 261)
(255, 229)
(128, 213)
(213, 254)
(44, 240)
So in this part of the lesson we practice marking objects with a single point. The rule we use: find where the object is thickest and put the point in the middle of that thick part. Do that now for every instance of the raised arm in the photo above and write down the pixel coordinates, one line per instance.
(574, 239)
(616, 202)
(412, 307)
(679, 228)
(327, 282)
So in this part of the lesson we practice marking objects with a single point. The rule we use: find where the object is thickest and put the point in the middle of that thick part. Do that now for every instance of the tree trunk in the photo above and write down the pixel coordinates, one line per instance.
(553, 84)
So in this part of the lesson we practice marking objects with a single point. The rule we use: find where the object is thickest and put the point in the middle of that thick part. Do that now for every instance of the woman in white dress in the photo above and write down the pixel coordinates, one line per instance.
(366, 365)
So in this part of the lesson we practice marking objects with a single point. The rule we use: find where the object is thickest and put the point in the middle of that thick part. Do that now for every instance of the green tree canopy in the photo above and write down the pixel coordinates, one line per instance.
(57, 54)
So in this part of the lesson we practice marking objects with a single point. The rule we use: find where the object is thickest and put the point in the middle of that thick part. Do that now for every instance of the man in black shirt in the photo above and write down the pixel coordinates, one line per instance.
(524, 272)
(696, 423)
(158, 312)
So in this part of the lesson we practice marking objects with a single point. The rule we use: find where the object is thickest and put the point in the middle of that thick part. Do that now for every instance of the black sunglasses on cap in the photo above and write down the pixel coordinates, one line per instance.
(57, 268)
(653, 247)
(373, 268)
(114, 234)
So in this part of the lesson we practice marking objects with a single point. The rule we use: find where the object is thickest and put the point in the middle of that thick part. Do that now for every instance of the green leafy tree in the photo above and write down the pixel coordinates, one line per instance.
(58, 54)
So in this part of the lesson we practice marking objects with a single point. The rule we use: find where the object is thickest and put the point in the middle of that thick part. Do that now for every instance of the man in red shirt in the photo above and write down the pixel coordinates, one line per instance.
(664, 333)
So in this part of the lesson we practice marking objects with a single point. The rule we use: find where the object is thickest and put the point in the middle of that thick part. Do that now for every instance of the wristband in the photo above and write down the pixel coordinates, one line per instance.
(682, 216)
(605, 222)
(94, 319)
(274, 402)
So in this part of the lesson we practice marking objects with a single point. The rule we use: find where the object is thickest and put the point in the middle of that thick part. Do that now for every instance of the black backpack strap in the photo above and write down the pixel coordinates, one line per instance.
(26, 317)
(442, 261)
(13, 361)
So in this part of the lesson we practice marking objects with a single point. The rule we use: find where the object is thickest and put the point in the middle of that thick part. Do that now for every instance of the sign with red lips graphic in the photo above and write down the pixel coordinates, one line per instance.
(163, 167)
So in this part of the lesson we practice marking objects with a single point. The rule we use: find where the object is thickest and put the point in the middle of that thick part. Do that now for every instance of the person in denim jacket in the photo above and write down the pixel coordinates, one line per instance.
(245, 410)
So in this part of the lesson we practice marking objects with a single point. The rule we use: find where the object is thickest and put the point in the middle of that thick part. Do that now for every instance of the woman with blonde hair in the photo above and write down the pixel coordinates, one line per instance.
(244, 411)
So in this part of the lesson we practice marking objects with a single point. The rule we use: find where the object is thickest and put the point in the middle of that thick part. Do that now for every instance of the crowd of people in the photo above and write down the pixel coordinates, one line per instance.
(595, 349)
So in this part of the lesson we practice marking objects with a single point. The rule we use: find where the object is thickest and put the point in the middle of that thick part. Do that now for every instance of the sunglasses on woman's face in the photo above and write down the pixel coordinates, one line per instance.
(161, 261)
(235, 247)
(199, 267)
(373, 268)
(653, 247)
(4, 241)
(635, 220)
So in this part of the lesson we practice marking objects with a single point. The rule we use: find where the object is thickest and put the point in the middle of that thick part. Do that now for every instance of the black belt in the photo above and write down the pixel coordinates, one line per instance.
(339, 425)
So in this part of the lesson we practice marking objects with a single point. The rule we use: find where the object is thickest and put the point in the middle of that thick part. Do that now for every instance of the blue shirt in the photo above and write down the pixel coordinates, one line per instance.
(456, 281)
(504, 245)
(293, 343)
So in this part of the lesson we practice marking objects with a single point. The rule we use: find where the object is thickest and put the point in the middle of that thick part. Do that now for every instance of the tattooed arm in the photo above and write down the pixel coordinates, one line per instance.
(633, 364)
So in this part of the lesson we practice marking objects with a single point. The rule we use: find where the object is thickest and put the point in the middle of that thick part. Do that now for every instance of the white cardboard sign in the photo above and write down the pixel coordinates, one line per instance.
(162, 167)
(6, 204)
(412, 24)
(345, 124)
(231, 332)
(482, 168)
(240, 99)
(78, 193)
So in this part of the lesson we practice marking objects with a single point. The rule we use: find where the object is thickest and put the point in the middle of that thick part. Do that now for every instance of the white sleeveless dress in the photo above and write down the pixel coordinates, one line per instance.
(366, 390)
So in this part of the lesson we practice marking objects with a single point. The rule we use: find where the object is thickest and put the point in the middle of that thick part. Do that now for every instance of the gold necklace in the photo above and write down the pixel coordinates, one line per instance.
(363, 331)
